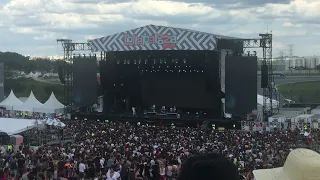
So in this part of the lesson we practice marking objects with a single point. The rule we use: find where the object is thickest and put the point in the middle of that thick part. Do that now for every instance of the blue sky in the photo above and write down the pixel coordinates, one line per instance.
(31, 27)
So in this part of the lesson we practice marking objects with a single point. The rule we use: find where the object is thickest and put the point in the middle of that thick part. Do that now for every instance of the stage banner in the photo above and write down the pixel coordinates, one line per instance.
(153, 37)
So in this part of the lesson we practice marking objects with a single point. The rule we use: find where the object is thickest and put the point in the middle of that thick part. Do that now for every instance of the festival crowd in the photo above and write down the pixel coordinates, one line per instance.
(118, 150)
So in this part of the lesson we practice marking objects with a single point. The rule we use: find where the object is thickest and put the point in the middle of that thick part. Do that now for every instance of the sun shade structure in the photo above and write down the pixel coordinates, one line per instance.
(30, 105)
(11, 101)
(52, 105)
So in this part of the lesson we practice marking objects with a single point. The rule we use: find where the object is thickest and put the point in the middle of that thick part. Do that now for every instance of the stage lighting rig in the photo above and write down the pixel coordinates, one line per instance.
(270, 93)
(68, 48)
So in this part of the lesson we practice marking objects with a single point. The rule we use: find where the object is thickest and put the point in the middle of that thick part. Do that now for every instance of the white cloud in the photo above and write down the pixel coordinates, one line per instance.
(289, 24)
(46, 20)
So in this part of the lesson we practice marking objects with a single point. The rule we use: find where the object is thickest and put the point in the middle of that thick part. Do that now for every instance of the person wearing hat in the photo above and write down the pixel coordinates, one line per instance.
(301, 164)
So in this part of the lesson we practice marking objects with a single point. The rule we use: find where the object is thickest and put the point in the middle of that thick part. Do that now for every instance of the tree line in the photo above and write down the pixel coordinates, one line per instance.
(15, 61)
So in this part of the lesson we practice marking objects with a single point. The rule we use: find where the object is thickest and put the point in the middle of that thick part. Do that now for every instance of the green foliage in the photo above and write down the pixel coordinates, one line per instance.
(23, 86)
(15, 61)
(304, 92)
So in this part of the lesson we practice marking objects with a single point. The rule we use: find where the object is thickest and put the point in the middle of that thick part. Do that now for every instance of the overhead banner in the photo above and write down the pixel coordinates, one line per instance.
(153, 37)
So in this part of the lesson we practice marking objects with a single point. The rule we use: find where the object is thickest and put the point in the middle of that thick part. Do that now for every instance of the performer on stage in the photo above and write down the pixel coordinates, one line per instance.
(134, 111)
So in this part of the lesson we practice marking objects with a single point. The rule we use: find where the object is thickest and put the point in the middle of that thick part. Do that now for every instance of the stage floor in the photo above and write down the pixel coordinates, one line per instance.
(190, 121)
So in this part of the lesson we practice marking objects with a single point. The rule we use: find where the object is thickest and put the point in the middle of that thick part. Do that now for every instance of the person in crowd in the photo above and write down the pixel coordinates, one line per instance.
(114, 149)
(207, 167)
(112, 174)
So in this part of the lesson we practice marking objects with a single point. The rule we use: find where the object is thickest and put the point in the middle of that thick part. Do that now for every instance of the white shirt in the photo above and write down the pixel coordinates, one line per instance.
(115, 176)
(82, 167)
(102, 162)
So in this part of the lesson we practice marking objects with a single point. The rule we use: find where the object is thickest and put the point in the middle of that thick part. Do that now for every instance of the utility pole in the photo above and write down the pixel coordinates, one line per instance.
(281, 54)
(290, 46)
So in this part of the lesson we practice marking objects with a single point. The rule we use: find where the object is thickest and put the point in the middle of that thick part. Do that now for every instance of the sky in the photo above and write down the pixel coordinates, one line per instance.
(31, 27)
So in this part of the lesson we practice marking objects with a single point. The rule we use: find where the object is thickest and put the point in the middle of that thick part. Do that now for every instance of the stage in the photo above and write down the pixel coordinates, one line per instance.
(153, 71)
(184, 82)
(189, 121)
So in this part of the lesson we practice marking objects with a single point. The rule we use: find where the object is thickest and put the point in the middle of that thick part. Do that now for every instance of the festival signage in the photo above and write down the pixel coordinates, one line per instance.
(152, 37)
(166, 41)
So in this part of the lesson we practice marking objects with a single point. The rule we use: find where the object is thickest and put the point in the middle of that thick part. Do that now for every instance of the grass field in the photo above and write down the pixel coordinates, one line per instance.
(304, 92)
(22, 87)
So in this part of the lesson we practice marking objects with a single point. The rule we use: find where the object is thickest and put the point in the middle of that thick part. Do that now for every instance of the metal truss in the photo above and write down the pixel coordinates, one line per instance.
(68, 48)
(270, 93)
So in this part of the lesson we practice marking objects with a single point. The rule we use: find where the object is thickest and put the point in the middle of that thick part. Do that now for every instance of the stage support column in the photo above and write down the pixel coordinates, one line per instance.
(223, 53)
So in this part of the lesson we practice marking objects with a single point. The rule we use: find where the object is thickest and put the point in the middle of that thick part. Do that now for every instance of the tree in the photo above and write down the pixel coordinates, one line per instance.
(15, 61)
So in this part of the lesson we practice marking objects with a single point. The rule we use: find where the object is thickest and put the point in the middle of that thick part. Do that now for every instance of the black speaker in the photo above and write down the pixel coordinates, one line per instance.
(264, 76)
(212, 77)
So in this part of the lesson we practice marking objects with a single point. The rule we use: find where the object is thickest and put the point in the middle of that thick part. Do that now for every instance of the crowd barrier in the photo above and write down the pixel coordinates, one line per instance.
(277, 126)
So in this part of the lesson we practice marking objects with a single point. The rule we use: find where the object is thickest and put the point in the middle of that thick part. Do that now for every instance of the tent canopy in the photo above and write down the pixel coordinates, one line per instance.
(260, 98)
(30, 104)
(11, 101)
(53, 103)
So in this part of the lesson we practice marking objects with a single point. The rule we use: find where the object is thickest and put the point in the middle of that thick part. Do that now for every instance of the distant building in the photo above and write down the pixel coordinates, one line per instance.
(293, 63)
(302, 62)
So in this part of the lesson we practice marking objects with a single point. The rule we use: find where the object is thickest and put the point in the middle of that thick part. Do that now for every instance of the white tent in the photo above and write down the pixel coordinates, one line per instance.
(260, 98)
(30, 105)
(52, 105)
(11, 101)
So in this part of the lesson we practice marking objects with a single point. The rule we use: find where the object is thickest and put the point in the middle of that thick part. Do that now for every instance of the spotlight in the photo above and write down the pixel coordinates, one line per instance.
(184, 60)
(118, 61)
(135, 61)
(125, 62)
(160, 61)
(139, 61)
(128, 61)
(145, 61)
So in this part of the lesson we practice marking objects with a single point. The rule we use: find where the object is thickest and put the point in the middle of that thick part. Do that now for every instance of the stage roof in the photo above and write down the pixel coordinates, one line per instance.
(152, 37)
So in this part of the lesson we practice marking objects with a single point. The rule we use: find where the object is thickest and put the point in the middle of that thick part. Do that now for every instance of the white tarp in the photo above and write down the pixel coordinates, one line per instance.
(54, 122)
(11, 101)
(12, 125)
(275, 103)
(16, 126)
(52, 105)
(30, 104)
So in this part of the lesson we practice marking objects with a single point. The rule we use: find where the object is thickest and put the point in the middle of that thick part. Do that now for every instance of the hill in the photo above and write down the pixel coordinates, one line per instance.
(15, 61)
